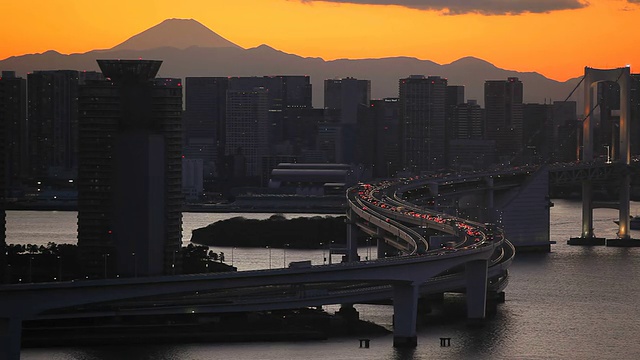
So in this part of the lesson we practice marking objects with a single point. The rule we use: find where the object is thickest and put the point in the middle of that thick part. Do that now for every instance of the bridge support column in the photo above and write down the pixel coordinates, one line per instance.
(10, 338)
(352, 240)
(587, 209)
(624, 238)
(587, 237)
(625, 198)
(405, 313)
(476, 273)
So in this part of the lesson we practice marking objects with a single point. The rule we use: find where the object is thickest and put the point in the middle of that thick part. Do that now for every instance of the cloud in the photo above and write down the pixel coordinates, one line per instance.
(484, 7)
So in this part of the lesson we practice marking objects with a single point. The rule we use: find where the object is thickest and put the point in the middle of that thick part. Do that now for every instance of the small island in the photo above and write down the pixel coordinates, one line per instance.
(276, 231)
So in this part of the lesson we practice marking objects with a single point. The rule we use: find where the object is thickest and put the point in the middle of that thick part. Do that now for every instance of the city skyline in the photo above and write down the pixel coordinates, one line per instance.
(540, 36)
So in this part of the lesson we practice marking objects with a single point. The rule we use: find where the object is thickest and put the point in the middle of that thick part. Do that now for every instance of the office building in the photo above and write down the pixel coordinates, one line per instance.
(284, 92)
(246, 130)
(386, 155)
(566, 128)
(422, 112)
(129, 181)
(192, 179)
(537, 133)
(204, 122)
(53, 124)
(13, 119)
(503, 108)
(345, 95)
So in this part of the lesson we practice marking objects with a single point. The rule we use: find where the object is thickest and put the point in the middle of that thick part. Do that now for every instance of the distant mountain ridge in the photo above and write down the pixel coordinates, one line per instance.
(193, 51)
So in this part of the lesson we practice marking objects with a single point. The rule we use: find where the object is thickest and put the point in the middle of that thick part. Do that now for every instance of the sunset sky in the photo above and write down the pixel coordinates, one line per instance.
(556, 38)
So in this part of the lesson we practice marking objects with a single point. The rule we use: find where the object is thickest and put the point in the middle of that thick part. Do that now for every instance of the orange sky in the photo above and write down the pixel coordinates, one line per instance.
(557, 44)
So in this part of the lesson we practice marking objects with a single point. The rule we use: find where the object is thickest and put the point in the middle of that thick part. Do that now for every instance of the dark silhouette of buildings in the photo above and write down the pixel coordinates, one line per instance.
(53, 124)
(385, 152)
(537, 133)
(247, 125)
(129, 183)
(422, 110)
(344, 101)
(13, 116)
(566, 128)
(503, 106)
(204, 121)
(207, 121)
(466, 146)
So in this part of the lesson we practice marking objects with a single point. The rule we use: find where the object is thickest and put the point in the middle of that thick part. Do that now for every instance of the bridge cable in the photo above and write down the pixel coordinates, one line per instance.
(544, 124)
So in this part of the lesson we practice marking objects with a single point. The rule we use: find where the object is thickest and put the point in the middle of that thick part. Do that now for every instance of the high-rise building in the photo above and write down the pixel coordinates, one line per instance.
(537, 133)
(283, 92)
(346, 95)
(467, 121)
(301, 128)
(422, 111)
(53, 124)
(455, 95)
(204, 121)
(129, 182)
(13, 118)
(192, 179)
(344, 101)
(503, 107)
(387, 158)
(565, 131)
(246, 129)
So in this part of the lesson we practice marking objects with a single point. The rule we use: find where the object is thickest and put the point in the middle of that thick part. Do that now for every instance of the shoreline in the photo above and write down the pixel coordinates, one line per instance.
(304, 324)
(197, 208)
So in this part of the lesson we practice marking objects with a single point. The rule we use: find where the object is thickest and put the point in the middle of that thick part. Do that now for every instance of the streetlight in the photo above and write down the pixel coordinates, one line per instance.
(232, 255)
(59, 267)
(324, 258)
(135, 265)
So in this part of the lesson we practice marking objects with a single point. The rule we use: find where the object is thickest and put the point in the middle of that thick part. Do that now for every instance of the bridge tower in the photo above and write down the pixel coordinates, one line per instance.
(591, 78)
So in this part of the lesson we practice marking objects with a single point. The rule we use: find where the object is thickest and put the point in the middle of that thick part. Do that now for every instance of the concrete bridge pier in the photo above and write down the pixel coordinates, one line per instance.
(476, 273)
(10, 338)
(587, 237)
(405, 314)
(624, 237)
(352, 238)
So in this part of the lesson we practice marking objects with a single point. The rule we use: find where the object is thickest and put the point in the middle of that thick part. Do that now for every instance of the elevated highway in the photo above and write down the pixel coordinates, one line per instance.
(475, 263)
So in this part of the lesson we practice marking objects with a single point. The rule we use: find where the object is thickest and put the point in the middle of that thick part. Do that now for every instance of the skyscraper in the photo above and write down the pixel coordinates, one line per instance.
(565, 131)
(284, 92)
(246, 130)
(129, 183)
(422, 112)
(53, 124)
(204, 120)
(503, 107)
(537, 133)
(13, 116)
(386, 152)
(346, 95)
